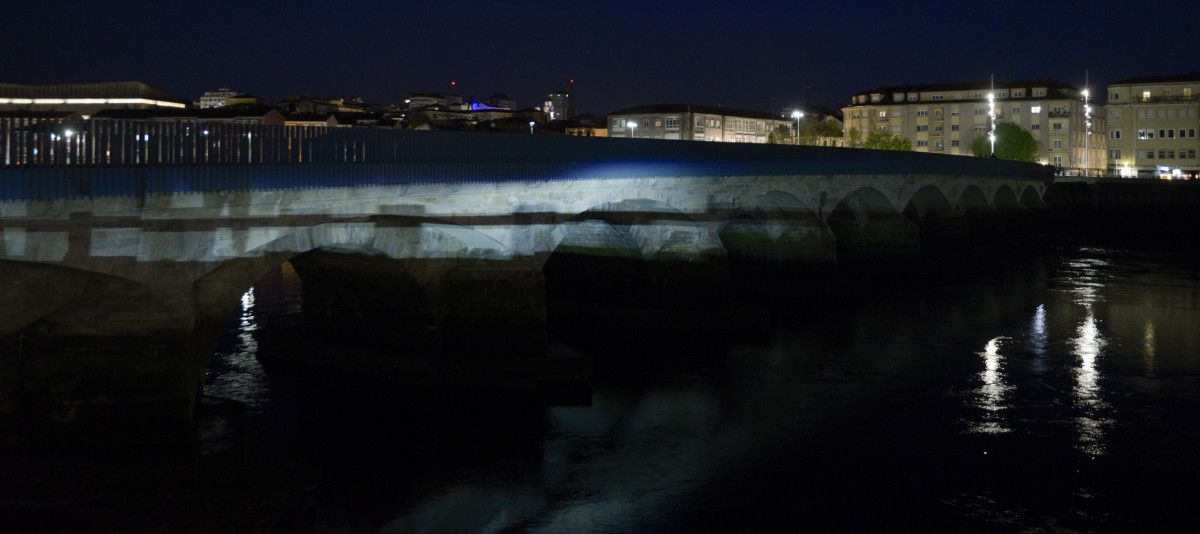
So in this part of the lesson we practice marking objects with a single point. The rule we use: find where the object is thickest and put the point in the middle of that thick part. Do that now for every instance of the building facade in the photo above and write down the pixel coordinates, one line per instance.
(693, 123)
(1153, 123)
(216, 99)
(947, 118)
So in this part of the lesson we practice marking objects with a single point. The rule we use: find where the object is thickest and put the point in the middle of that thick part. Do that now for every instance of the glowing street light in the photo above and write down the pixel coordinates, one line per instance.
(991, 97)
(797, 114)
(531, 123)
(1087, 121)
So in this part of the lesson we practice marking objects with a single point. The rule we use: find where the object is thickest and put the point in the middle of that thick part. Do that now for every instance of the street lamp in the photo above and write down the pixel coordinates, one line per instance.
(797, 114)
(531, 123)
(1087, 122)
(632, 125)
(991, 98)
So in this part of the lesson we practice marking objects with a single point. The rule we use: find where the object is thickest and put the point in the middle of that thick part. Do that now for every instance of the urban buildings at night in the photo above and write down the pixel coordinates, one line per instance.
(947, 118)
(693, 123)
(1152, 125)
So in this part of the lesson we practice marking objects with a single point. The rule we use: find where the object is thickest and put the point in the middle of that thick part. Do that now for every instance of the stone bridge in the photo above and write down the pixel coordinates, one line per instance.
(117, 280)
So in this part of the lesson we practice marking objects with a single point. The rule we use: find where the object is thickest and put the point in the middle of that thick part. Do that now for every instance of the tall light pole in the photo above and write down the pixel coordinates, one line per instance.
(797, 114)
(992, 115)
(531, 123)
(632, 125)
(1087, 121)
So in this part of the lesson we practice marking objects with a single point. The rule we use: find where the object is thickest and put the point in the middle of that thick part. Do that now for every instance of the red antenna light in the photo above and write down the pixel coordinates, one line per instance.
(453, 83)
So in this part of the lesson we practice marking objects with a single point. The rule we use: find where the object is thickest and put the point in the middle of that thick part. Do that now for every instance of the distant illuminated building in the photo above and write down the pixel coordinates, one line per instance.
(694, 123)
(85, 98)
(496, 101)
(417, 101)
(559, 105)
(216, 99)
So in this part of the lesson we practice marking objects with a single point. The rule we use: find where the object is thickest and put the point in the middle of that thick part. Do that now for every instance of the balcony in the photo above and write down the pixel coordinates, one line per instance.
(1058, 114)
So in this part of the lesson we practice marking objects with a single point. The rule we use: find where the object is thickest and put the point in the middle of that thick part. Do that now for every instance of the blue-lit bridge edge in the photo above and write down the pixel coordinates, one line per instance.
(357, 157)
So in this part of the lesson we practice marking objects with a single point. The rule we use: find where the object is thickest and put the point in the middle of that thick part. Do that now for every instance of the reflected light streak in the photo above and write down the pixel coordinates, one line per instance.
(990, 395)
(1037, 339)
(1089, 345)
(1148, 347)
(238, 375)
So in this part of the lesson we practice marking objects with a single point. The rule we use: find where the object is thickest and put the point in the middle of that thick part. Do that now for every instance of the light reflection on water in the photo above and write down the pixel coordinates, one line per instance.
(1148, 347)
(1045, 385)
(236, 374)
(990, 396)
(1037, 340)
(1089, 345)
(1082, 283)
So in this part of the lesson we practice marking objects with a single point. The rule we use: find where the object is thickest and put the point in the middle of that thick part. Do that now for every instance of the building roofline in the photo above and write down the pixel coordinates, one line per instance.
(1193, 76)
(694, 108)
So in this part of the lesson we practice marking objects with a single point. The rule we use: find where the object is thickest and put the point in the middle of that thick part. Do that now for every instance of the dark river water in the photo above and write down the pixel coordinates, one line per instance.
(1054, 391)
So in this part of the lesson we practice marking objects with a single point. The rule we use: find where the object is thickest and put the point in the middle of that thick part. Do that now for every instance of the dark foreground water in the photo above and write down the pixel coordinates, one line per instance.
(1058, 392)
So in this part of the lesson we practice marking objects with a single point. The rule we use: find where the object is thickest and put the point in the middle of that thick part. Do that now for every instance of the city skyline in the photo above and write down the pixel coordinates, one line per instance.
(705, 53)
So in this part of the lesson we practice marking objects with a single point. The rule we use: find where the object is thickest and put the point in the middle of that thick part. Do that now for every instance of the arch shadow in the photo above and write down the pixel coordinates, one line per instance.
(869, 229)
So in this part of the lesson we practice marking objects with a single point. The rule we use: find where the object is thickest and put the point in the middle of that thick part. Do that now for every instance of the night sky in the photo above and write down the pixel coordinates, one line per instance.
(757, 55)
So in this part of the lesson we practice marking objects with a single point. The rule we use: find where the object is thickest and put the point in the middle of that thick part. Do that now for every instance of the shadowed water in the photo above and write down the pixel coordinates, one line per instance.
(1057, 391)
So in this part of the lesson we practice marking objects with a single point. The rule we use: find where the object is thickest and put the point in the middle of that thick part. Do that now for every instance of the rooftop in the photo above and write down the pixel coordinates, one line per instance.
(1193, 76)
(1054, 89)
(86, 90)
(227, 112)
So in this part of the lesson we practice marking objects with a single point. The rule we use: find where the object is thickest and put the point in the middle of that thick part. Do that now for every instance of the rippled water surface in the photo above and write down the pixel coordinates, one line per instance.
(1059, 391)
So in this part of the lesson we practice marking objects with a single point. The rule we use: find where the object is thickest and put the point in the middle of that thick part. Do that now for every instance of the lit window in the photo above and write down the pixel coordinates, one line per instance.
(1145, 96)
(1035, 109)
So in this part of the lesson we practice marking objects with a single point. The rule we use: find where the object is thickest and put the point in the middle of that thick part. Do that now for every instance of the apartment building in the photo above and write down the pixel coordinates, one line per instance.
(693, 123)
(1152, 126)
(946, 118)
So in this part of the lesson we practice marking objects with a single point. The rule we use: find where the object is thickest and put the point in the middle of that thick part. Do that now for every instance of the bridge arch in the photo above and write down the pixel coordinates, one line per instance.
(777, 225)
(1031, 199)
(777, 247)
(928, 201)
(655, 229)
(405, 285)
(972, 200)
(618, 259)
(942, 229)
(869, 228)
(1004, 199)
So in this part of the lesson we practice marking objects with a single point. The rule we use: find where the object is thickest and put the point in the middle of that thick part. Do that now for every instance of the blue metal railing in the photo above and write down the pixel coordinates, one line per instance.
(104, 158)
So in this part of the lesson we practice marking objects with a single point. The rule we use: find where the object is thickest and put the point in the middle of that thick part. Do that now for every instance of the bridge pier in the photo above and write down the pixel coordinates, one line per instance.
(417, 319)
(101, 357)
(776, 256)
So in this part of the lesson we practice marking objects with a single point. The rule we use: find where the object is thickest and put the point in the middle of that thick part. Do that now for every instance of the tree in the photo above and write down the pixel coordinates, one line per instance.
(812, 129)
(780, 135)
(881, 140)
(1012, 142)
(856, 138)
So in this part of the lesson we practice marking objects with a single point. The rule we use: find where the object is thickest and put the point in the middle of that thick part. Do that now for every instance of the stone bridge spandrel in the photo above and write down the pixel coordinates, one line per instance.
(115, 300)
